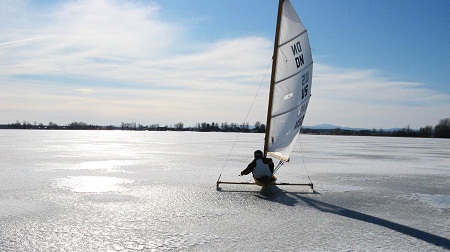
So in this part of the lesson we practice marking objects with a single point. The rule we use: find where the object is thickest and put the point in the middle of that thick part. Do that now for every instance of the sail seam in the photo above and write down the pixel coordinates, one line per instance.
(292, 38)
(280, 114)
(276, 82)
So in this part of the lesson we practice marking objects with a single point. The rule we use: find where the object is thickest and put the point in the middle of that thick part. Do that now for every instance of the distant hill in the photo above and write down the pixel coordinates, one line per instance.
(331, 126)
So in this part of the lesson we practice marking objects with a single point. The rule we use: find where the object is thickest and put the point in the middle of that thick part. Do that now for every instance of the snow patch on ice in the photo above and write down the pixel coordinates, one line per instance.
(435, 200)
(109, 165)
(179, 241)
(221, 212)
(109, 197)
(14, 207)
(339, 188)
(91, 184)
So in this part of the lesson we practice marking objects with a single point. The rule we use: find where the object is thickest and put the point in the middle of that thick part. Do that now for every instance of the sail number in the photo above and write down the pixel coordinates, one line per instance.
(305, 78)
(303, 109)
(305, 81)
(297, 49)
(299, 121)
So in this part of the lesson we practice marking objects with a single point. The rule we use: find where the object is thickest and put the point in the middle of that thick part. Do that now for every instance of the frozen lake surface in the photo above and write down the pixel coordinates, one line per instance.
(156, 191)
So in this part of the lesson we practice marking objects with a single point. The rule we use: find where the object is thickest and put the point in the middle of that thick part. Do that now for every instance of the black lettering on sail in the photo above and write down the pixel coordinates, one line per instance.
(304, 91)
(305, 78)
(299, 122)
(299, 61)
(296, 48)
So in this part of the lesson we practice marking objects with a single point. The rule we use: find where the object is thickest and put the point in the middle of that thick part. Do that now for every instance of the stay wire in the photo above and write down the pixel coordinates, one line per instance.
(303, 158)
(281, 163)
(245, 120)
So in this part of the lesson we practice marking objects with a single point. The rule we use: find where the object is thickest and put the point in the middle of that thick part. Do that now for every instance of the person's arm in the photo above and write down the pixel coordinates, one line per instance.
(249, 168)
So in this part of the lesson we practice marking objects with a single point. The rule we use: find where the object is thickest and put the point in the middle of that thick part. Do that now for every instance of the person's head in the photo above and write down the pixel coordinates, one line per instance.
(258, 154)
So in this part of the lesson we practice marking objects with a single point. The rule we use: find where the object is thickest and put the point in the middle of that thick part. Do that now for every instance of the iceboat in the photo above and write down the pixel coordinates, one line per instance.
(290, 89)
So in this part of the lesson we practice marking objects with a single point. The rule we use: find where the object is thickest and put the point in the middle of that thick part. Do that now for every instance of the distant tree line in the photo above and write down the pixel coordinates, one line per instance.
(54, 126)
(201, 127)
(441, 130)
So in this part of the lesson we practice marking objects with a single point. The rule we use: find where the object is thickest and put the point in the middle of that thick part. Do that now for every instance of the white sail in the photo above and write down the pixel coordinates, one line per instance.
(290, 85)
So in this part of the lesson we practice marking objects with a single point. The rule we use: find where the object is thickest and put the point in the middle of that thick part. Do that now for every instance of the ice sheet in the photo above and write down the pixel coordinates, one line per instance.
(156, 191)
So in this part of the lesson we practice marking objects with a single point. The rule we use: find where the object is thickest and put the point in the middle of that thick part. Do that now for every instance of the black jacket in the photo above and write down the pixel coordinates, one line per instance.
(252, 165)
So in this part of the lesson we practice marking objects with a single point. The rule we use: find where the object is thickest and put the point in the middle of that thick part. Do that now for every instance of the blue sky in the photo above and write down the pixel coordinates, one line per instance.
(378, 64)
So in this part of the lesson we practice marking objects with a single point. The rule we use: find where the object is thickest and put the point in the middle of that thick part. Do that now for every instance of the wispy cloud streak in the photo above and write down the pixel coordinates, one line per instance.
(25, 40)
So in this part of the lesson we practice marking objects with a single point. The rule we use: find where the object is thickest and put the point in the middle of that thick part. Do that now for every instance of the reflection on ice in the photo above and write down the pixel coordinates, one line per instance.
(91, 184)
(109, 165)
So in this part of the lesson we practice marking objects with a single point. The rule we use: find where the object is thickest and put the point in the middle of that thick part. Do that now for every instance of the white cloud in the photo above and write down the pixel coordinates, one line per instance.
(361, 98)
(89, 36)
(104, 62)
(86, 91)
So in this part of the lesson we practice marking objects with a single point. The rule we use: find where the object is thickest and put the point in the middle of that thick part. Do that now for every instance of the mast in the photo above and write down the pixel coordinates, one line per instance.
(272, 78)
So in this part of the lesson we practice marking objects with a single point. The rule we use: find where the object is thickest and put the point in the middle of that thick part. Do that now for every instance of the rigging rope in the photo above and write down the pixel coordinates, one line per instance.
(303, 158)
(281, 163)
(245, 120)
